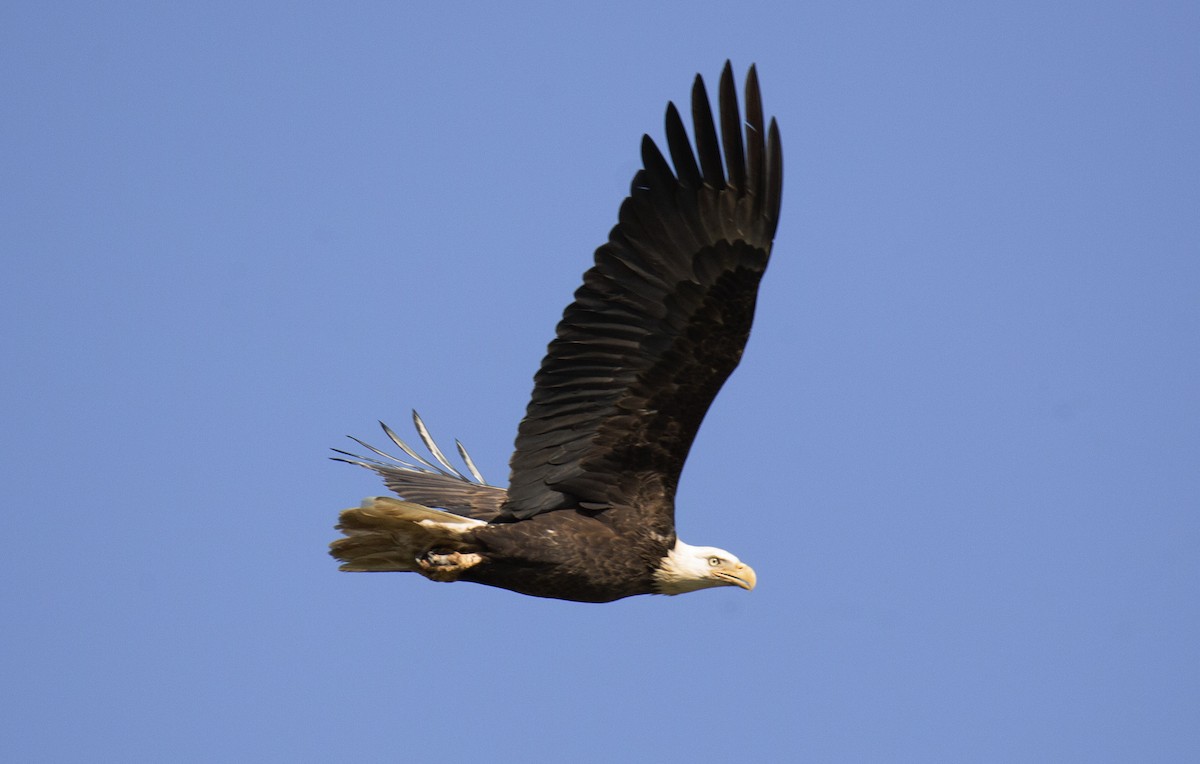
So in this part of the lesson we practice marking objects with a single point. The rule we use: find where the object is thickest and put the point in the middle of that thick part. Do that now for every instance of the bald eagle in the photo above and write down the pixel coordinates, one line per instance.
(654, 331)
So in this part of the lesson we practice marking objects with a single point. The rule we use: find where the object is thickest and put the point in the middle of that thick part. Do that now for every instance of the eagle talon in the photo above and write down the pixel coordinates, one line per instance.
(434, 560)
(445, 566)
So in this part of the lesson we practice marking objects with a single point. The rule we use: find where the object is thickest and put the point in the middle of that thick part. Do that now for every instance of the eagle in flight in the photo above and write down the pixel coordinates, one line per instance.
(657, 327)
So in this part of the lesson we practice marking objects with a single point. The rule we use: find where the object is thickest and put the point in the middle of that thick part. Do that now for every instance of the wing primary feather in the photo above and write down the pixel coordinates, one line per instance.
(731, 130)
(423, 431)
(774, 182)
(707, 143)
(372, 449)
(656, 166)
(406, 449)
(366, 461)
(356, 461)
(754, 136)
(462, 451)
(681, 149)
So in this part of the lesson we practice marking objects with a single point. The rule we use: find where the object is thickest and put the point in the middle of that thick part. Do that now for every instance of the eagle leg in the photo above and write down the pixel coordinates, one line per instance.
(439, 565)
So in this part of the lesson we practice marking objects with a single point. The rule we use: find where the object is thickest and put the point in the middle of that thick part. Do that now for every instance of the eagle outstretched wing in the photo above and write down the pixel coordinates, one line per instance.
(660, 321)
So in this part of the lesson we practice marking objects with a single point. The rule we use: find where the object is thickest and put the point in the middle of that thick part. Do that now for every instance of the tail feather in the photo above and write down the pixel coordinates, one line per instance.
(385, 534)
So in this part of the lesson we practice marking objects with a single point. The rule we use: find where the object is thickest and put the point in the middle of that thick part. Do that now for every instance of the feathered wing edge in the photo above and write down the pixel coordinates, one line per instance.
(427, 483)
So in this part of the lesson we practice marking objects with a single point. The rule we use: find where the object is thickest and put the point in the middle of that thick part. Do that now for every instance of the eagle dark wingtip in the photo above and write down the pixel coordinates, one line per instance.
(755, 139)
(731, 130)
(658, 171)
(708, 144)
(774, 174)
(681, 149)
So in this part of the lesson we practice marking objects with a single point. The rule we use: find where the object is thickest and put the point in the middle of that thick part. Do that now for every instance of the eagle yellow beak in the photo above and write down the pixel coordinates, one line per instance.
(740, 574)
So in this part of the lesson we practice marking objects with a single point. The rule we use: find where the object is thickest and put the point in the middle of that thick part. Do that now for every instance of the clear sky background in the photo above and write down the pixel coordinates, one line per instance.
(962, 451)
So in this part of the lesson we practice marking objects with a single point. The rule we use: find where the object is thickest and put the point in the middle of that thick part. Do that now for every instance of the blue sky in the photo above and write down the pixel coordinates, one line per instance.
(962, 450)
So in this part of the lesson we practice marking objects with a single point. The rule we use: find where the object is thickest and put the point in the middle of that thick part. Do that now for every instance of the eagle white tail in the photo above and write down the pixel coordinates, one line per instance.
(385, 534)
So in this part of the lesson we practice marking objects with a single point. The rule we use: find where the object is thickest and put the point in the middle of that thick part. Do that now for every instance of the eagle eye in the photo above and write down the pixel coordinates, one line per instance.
(714, 561)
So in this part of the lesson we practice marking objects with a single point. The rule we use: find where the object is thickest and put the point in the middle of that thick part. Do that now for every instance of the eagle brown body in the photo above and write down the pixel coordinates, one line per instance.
(656, 328)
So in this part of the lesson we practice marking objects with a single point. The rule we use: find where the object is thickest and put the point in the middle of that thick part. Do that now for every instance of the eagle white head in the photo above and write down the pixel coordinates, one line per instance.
(688, 568)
